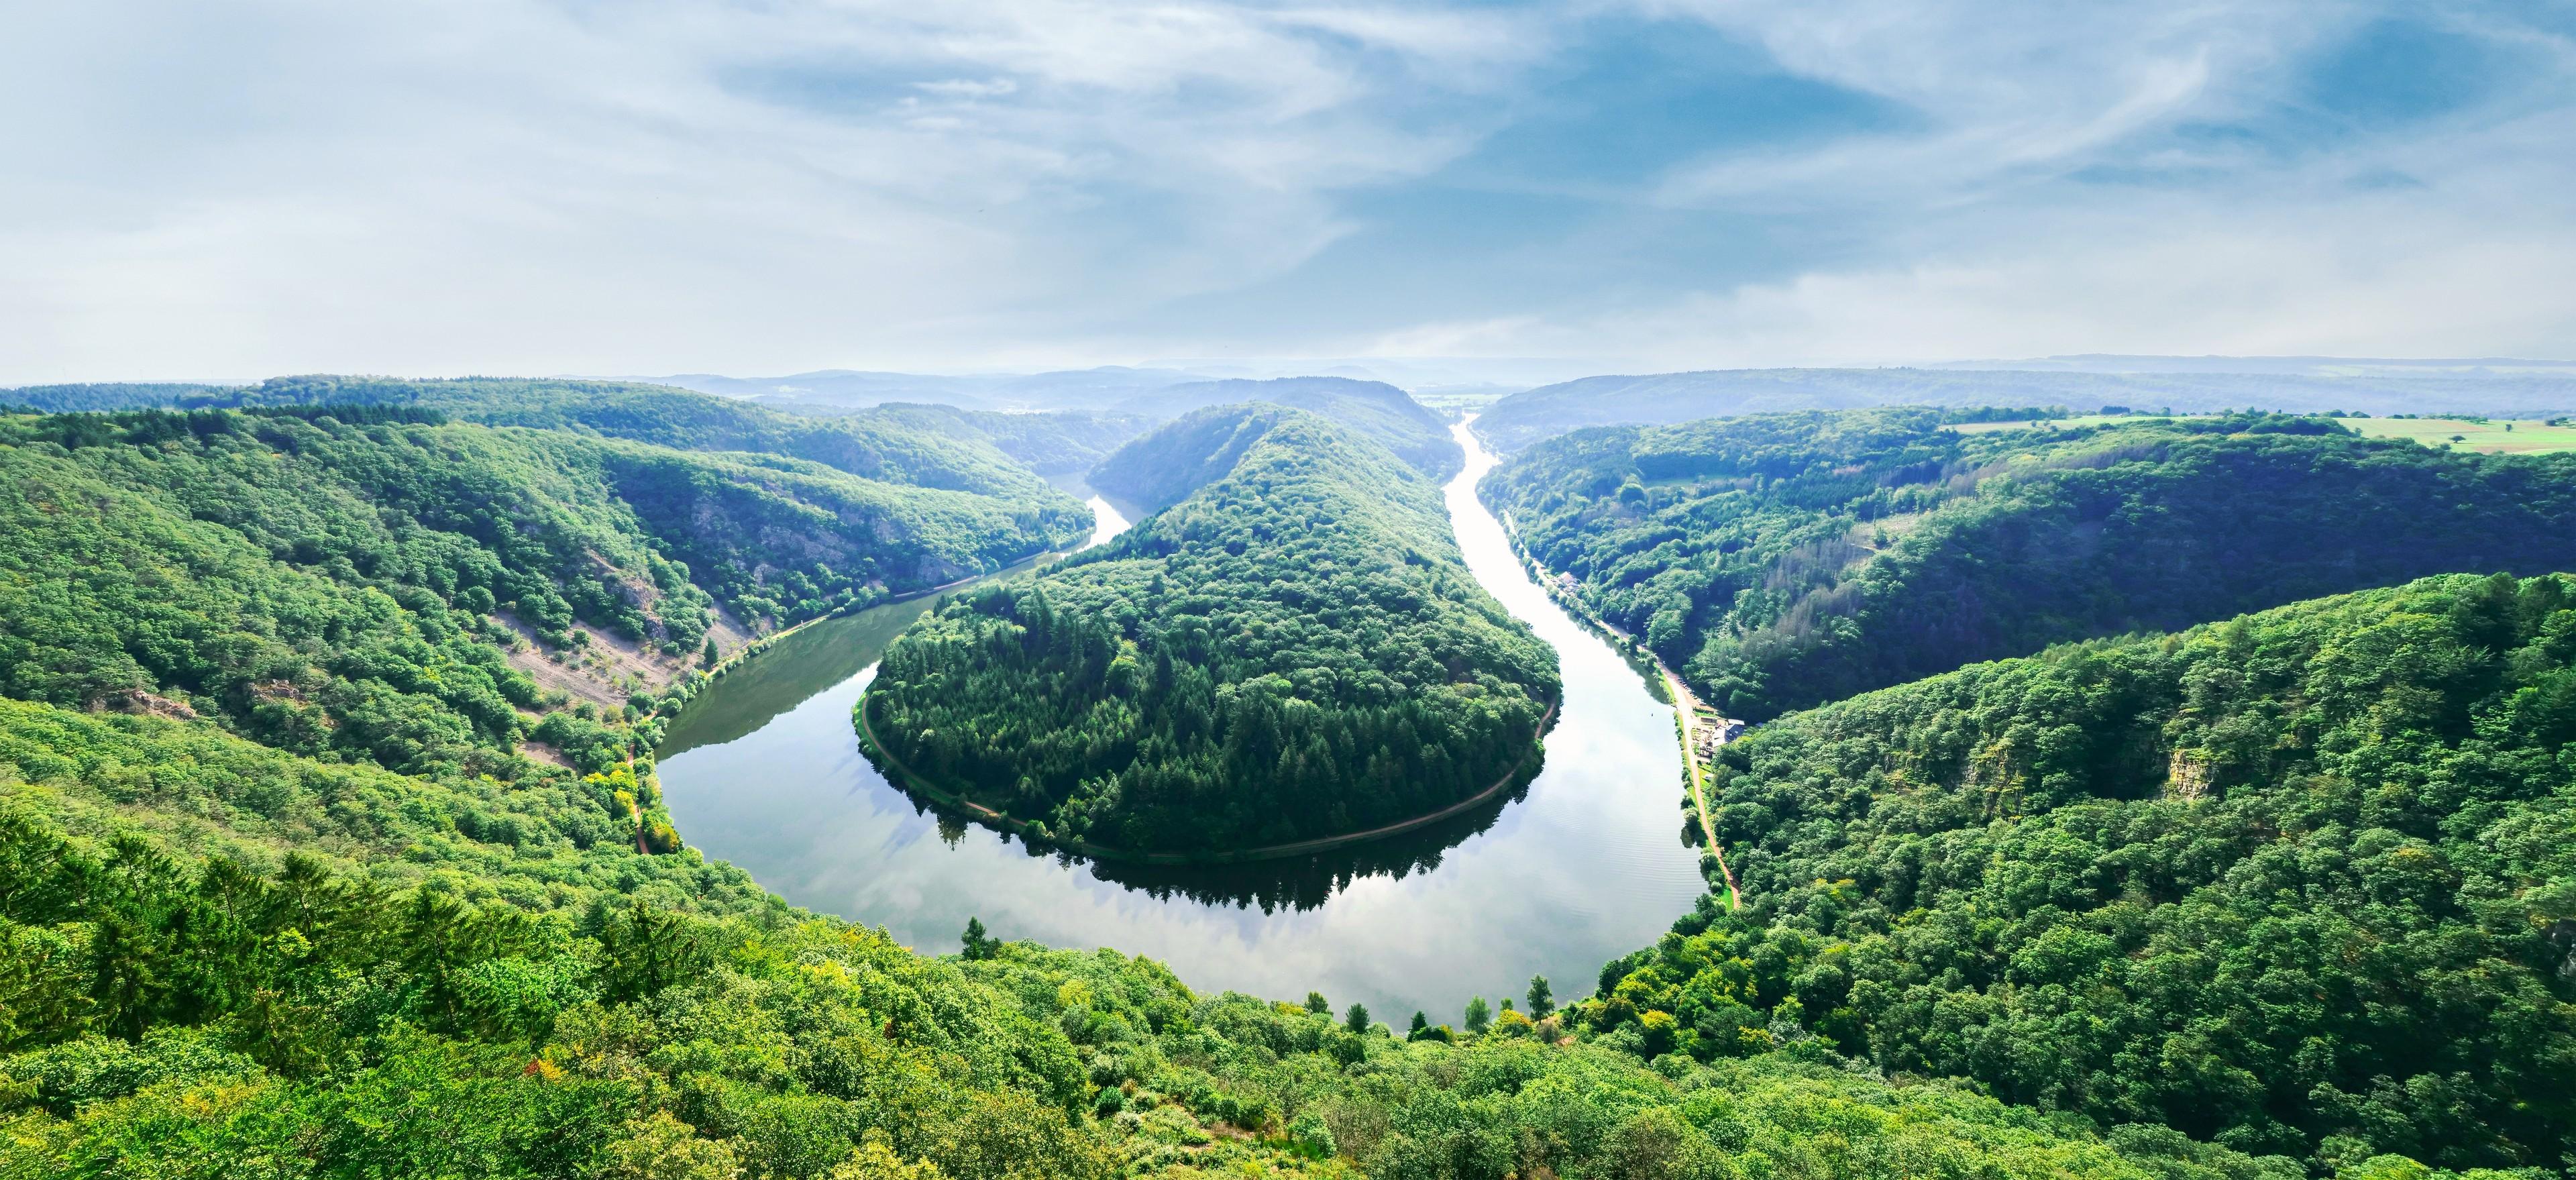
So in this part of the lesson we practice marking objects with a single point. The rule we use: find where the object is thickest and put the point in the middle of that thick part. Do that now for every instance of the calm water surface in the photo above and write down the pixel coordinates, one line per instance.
(765, 771)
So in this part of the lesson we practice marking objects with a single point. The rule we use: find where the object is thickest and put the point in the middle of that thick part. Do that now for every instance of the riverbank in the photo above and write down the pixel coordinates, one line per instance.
(676, 700)
(1555, 878)
(1520, 774)
(1686, 704)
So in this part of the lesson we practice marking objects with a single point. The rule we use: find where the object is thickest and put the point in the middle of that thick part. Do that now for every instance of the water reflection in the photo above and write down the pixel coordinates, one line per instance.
(1307, 882)
(823, 655)
(1581, 865)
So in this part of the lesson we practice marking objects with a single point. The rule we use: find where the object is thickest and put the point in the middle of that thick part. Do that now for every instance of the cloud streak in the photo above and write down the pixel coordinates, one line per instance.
(533, 186)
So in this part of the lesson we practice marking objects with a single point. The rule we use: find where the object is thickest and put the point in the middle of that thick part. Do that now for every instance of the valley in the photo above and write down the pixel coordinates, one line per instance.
(550, 755)
(1574, 868)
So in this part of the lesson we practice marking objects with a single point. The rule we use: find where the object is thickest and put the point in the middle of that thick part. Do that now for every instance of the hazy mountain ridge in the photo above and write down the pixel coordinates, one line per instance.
(1388, 414)
(1664, 398)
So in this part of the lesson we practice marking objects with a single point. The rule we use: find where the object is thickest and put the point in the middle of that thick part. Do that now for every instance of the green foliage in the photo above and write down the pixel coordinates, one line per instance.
(535, 836)
(2298, 883)
(975, 944)
(321, 586)
(220, 1019)
(1196, 1075)
(133, 395)
(1785, 560)
(1295, 649)
(300, 1024)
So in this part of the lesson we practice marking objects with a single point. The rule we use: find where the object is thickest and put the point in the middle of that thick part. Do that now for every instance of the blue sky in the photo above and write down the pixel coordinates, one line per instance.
(242, 188)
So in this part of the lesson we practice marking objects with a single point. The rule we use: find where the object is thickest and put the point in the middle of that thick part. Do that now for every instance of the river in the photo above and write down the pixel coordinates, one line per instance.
(1585, 864)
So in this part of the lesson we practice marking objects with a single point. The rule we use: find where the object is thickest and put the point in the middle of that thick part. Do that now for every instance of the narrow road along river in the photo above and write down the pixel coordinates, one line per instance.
(765, 771)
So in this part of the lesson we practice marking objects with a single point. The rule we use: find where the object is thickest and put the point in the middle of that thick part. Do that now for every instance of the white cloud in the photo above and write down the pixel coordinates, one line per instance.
(512, 184)
(2385, 277)
(541, 186)
(969, 87)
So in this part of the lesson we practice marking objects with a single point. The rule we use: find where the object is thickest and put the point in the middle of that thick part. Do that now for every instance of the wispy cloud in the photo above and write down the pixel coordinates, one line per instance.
(546, 185)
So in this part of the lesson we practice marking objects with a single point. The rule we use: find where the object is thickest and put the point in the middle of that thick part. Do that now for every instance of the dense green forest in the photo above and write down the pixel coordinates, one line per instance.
(253, 1014)
(2300, 883)
(283, 892)
(1292, 648)
(327, 587)
(127, 395)
(383, 945)
(1781, 561)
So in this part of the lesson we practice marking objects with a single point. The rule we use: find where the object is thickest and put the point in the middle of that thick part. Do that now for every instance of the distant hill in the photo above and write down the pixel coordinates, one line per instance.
(1055, 443)
(112, 395)
(2299, 366)
(833, 390)
(1662, 398)
(1416, 435)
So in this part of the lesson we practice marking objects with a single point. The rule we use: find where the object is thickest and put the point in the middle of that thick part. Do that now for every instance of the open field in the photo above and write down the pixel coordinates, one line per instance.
(2026, 423)
(2517, 437)
(2526, 438)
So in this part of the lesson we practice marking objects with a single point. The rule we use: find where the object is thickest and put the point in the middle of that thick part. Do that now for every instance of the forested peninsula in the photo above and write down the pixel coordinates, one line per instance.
(1289, 648)
(1780, 561)
(2299, 883)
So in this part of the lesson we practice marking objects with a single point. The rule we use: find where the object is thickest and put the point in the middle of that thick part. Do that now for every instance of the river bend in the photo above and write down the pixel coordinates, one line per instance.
(764, 770)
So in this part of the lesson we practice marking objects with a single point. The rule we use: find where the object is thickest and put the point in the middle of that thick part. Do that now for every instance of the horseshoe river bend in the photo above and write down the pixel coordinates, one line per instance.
(764, 769)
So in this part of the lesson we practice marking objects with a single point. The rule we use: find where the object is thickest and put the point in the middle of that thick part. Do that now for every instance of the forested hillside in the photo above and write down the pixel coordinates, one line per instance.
(166, 1015)
(112, 395)
(2299, 883)
(383, 945)
(1293, 648)
(1781, 561)
(327, 587)
(1373, 408)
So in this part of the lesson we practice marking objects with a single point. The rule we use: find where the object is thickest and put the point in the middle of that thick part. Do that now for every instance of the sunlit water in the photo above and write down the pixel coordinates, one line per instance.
(1586, 864)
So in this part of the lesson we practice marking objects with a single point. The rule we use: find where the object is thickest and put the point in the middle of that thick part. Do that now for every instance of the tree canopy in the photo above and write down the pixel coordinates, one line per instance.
(323, 586)
(1782, 561)
(1292, 648)
(2299, 883)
